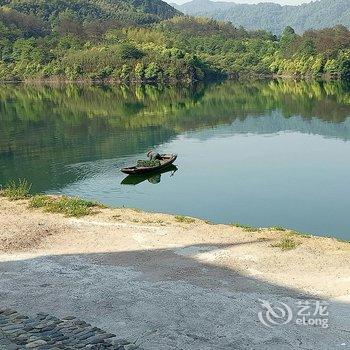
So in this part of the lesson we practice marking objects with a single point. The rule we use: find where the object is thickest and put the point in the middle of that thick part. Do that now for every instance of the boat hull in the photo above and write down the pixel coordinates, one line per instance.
(166, 160)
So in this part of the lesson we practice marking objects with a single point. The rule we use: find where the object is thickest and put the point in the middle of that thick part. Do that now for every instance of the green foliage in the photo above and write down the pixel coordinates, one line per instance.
(152, 71)
(286, 243)
(90, 41)
(131, 11)
(125, 72)
(344, 64)
(40, 201)
(148, 163)
(287, 40)
(314, 53)
(184, 219)
(128, 51)
(299, 234)
(139, 71)
(16, 24)
(277, 228)
(16, 190)
(65, 205)
(246, 228)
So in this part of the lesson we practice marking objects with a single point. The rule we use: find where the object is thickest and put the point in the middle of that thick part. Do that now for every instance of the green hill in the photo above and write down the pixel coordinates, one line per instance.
(136, 11)
(123, 41)
(273, 17)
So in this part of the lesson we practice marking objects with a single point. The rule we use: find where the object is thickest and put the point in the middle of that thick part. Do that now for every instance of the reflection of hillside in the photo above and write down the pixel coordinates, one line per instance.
(44, 128)
(177, 108)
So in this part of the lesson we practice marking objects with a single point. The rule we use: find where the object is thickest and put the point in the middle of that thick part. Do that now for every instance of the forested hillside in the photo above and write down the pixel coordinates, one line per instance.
(66, 40)
(273, 17)
(123, 11)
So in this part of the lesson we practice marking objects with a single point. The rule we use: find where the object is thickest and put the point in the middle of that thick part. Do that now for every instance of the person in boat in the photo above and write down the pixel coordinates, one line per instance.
(152, 155)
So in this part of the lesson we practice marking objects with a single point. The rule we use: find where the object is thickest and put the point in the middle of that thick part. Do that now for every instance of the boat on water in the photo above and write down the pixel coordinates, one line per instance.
(165, 161)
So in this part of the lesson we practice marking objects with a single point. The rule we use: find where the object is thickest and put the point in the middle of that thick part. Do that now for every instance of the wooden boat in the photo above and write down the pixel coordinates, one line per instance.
(165, 161)
(135, 179)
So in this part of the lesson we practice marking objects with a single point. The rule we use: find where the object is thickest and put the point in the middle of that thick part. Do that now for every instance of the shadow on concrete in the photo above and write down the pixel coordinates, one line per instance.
(167, 299)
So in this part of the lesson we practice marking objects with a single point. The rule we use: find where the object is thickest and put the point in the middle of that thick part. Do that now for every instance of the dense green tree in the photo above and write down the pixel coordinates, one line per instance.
(129, 51)
(86, 40)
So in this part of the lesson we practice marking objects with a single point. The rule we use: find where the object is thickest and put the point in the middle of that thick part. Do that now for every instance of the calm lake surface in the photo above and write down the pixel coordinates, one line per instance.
(258, 153)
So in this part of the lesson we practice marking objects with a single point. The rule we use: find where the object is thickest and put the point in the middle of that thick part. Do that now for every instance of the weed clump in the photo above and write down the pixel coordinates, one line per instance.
(300, 234)
(184, 219)
(246, 228)
(16, 190)
(65, 205)
(286, 243)
(277, 228)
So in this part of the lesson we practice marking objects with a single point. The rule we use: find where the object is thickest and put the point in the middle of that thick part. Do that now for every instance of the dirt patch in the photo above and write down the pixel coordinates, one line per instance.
(23, 228)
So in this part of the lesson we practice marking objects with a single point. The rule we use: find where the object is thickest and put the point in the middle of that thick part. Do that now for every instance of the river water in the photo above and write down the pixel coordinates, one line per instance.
(259, 153)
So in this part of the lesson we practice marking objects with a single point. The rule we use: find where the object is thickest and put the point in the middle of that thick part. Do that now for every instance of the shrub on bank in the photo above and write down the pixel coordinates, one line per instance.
(16, 190)
(20, 189)
(64, 205)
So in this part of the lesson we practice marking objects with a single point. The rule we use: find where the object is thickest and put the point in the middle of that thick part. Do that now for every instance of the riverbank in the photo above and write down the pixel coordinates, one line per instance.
(171, 282)
(174, 83)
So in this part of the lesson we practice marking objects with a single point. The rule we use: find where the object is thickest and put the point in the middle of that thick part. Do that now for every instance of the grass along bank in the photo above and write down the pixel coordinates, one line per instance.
(283, 238)
(69, 206)
(16, 190)
(65, 205)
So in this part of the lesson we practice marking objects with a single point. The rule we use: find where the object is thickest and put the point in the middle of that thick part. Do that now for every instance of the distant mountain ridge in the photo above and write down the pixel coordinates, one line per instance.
(135, 11)
(273, 17)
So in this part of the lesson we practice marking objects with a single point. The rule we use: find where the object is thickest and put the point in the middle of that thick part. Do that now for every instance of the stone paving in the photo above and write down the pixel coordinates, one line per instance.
(44, 332)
